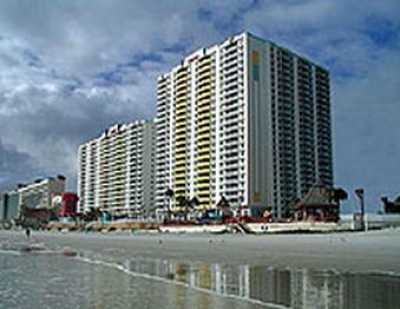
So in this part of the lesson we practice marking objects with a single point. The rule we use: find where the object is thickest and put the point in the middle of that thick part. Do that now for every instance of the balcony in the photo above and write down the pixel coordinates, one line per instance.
(180, 156)
(204, 110)
(204, 157)
(203, 179)
(180, 143)
(203, 165)
(202, 70)
(204, 187)
(205, 102)
(203, 143)
(180, 183)
(180, 113)
(181, 104)
(180, 170)
(203, 132)
(181, 74)
(203, 122)
(181, 130)
(203, 151)
(205, 81)
(204, 94)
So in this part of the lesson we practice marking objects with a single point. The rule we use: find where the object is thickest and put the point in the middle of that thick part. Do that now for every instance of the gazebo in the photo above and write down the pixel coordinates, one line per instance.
(318, 204)
(391, 207)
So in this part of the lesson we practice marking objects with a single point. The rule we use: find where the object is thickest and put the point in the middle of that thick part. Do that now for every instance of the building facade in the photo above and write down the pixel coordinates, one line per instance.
(116, 170)
(246, 120)
(9, 205)
(41, 192)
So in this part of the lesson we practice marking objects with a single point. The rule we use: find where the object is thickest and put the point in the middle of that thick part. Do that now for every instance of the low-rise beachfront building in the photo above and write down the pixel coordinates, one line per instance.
(40, 193)
(116, 170)
(10, 205)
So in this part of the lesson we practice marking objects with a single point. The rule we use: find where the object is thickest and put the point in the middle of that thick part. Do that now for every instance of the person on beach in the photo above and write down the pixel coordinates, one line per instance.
(28, 233)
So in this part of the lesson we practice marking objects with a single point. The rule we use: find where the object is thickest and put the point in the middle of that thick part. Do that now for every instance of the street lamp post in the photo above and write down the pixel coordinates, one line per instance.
(360, 194)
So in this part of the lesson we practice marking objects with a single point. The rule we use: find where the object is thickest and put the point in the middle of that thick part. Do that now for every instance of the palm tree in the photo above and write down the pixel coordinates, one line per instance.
(182, 203)
(338, 194)
(290, 208)
(169, 193)
(194, 202)
(223, 203)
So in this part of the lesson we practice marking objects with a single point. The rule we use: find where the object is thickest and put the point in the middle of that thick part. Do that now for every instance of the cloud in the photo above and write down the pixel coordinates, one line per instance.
(15, 166)
(360, 44)
(367, 130)
(72, 68)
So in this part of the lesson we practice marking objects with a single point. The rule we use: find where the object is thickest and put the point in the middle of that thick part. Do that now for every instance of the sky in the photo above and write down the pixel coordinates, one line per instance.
(69, 69)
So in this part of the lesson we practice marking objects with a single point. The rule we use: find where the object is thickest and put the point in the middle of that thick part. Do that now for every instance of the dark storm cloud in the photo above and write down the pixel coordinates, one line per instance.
(52, 132)
(15, 167)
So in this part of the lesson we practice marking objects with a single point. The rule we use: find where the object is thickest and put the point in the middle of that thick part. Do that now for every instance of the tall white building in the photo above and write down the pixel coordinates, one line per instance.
(246, 120)
(116, 170)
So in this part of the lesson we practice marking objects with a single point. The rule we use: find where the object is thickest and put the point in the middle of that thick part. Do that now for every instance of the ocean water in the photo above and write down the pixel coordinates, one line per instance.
(46, 278)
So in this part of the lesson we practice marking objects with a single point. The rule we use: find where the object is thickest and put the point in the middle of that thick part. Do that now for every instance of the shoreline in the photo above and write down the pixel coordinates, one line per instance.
(370, 252)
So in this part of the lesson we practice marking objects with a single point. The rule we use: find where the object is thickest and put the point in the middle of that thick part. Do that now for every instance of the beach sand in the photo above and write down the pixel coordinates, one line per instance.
(374, 251)
(123, 270)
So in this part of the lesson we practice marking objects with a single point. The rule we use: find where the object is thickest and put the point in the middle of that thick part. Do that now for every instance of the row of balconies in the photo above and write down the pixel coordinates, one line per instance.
(323, 124)
(162, 105)
(226, 127)
(233, 48)
(236, 76)
(162, 115)
(206, 81)
(232, 70)
(163, 81)
(323, 105)
(162, 101)
(205, 71)
(161, 132)
(162, 88)
(231, 78)
(322, 90)
(306, 122)
(232, 62)
(233, 95)
(236, 119)
(233, 55)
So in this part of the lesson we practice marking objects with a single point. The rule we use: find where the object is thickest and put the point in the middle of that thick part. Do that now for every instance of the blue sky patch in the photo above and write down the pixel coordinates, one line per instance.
(382, 32)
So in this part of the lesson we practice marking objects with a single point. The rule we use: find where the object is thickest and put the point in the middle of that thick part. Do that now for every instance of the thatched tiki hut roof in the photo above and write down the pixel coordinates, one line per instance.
(319, 204)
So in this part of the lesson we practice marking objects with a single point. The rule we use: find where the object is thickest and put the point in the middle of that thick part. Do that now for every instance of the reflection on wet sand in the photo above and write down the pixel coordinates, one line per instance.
(112, 281)
(291, 288)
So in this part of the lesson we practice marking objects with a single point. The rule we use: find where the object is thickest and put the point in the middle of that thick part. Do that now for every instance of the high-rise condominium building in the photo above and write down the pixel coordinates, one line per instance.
(116, 170)
(246, 120)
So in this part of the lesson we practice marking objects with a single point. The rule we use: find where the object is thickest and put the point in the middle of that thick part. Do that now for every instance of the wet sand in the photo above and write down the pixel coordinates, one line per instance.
(372, 252)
